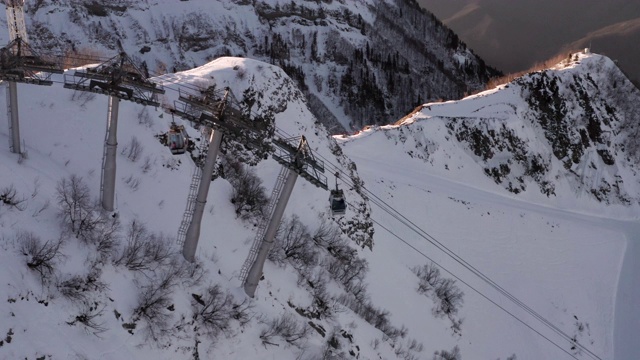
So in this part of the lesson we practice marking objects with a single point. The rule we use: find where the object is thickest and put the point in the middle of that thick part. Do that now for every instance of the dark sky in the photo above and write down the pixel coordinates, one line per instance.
(513, 35)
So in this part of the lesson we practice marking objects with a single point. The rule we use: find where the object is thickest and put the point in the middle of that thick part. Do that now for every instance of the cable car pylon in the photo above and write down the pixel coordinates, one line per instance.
(19, 63)
(215, 110)
(120, 79)
(297, 161)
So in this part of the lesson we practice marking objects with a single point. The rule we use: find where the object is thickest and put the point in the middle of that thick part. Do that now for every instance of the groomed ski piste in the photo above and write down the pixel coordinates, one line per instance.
(569, 257)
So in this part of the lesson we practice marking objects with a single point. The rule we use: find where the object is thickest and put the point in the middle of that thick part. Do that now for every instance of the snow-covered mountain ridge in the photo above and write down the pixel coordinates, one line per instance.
(358, 62)
(561, 133)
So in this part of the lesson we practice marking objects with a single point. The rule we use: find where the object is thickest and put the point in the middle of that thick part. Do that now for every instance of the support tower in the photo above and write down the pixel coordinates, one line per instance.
(120, 79)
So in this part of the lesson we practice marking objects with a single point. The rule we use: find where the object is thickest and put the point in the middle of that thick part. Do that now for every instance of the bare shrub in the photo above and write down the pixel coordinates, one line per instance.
(445, 293)
(322, 305)
(77, 288)
(449, 296)
(42, 208)
(407, 350)
(89, 318)
(9, 197)
(74, 200)
(144, 251)
(84, 218)
(327, 235)
(293, 243)
(133, 182)
(147, 165)
(41, 257)
(104, 235)
(248, 197)
(133, 149)
(379, 318)
(285, 327)
(428, 276)
(84, 97)
(154, 306)
(215, 310)
(144, 118)
(350, 272)
(454, 354)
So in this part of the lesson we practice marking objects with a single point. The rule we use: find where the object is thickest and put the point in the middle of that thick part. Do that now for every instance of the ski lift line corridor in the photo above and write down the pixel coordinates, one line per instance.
(394, 213)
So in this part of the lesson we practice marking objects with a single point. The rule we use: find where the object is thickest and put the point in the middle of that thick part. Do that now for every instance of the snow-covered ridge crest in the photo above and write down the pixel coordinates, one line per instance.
(553, 135)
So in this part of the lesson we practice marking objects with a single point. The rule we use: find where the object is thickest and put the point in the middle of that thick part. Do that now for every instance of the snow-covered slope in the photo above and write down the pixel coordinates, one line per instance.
(560, 254)
(552, 136)
(562, 139)
(358, 62)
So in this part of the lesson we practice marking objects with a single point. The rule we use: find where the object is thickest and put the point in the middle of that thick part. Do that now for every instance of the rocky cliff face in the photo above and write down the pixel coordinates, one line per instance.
(358, 63)
(573, 127)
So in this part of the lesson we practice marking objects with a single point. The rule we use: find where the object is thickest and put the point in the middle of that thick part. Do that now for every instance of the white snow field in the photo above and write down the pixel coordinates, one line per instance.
(571, 259)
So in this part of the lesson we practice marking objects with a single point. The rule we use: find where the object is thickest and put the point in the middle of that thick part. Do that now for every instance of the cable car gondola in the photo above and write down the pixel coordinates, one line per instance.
(177, 139)
(336, 201)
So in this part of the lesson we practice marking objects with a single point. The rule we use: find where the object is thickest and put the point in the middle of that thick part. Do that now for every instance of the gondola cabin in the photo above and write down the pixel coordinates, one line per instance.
(337, 203)
(177, 139)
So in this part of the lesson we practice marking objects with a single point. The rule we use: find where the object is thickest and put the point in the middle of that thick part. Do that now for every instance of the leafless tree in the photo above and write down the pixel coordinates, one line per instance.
(293, 243)
(286, 327)
(74, 200)
(213, 310)
(89, 318)
(78, 288)
(144, 251)
(9, 197)
(40, 257)
(133, 149)
(454, 354)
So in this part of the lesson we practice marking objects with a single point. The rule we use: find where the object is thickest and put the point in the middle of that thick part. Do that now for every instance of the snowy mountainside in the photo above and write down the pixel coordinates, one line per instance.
(560, 133)
(358, 62)
(336, 299)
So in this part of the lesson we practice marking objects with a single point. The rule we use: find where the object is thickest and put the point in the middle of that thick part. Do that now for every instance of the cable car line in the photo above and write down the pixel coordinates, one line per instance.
(408, 223)
(422, 233)
(472, 288)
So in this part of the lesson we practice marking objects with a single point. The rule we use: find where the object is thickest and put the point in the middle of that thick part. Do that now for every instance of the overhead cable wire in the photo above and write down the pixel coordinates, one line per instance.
(472, 288)
(422, 233)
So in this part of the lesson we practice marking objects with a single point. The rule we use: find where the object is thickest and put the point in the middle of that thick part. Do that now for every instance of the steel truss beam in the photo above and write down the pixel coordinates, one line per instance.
(118, 77)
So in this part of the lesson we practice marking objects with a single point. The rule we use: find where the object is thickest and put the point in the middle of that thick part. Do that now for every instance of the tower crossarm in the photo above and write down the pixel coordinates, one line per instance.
(300, 159)
(219, 110)
(119, 77)
(20, 63)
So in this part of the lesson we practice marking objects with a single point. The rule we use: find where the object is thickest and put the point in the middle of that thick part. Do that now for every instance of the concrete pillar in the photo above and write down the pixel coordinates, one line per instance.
(255, 273)
(109, 165)
(193, 232)
(12, 112)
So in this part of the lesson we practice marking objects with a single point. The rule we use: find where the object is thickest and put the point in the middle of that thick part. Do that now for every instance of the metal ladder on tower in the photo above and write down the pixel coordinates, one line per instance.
(262, 228)
(193, 194)
(191, 199)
